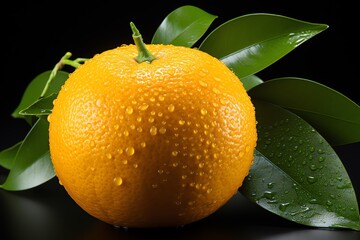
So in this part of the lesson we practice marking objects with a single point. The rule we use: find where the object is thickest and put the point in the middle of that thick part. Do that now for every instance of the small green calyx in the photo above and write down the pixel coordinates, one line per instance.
(143, 53)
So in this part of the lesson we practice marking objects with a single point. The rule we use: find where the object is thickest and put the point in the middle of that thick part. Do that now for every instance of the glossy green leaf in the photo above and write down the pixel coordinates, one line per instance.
(251, 81)
(7, 156)
(250, 43)
(34, 90)
(32, 165)
(183, 27)
(41, 107)
(297, 175)
(334, 115)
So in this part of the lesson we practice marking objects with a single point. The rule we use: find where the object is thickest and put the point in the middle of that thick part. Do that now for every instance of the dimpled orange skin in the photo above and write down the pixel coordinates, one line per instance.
(155, 144)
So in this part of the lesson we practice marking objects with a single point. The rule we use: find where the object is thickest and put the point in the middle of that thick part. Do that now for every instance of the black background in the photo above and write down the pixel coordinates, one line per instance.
(34, 36)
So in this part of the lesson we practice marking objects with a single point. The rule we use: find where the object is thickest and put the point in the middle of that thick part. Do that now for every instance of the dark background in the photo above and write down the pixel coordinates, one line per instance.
(34, 36)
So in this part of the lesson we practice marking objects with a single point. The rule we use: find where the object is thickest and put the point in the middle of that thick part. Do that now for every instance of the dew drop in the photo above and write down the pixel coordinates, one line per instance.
(203, 84)
(174, 153)
(320, 151)
(118, 181)
(215, 90)
(153, 130)
(311, 179)
(203, 111)
(129, 110)
(143, 107)
(143, 144)
(98, 103)
(222, 101)
(313, 167)
(269, 195)
(162, 130)
(181, 122)
(171, 108)
(108, 155)
(130, 151)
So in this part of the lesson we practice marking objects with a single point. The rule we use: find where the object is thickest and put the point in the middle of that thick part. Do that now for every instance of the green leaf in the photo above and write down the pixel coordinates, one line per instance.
(34, 90)
(7, 156)
(183, 27)
(334, 115)
(250, 43)
(251, 81)
(32, 165)
(297, 175)
(41, 107)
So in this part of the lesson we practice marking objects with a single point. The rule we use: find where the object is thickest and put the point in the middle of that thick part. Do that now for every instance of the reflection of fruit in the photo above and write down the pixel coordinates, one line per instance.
(154, 144)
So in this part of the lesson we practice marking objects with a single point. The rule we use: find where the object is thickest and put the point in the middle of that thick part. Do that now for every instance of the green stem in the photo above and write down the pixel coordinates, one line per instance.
(143, 53)
(63, 61)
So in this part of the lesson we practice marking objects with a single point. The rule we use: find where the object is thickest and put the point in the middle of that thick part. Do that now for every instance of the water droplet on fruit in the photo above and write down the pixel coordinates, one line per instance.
(129, 110)
(161, 98)
(118, 181)
(171, 108)
(215, 90)
(162, 130)
(203, 84)
(203, 111)
(130, 151)
(143, 107)
(153, 130)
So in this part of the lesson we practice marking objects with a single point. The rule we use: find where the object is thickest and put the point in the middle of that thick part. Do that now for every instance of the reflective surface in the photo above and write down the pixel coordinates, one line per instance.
(47, 212)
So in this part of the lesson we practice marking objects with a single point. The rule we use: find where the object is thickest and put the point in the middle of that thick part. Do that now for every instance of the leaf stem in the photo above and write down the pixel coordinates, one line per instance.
(144, 55)
(65, 60)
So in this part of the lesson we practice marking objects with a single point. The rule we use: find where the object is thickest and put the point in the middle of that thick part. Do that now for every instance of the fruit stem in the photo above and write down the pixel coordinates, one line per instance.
(143, 53)
(65, 60)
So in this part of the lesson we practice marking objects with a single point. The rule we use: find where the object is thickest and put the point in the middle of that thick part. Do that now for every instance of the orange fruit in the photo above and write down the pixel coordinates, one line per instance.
(157, 144)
